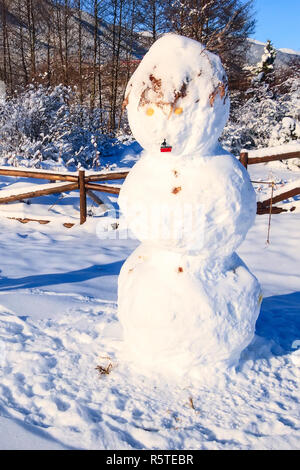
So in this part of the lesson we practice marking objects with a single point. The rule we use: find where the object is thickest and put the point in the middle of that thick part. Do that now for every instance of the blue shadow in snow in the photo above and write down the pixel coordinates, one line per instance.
(41, 280)
(35, 430)
(279, 320)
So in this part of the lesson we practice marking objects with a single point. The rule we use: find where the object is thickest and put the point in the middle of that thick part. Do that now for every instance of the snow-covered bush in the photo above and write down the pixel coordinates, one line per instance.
(43, 126)
(285, 131)
(266, 115)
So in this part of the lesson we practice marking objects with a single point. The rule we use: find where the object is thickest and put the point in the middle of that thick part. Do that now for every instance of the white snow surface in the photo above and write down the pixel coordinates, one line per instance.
(255, 41)
(289, 51)
(58, 321)
(276, 150)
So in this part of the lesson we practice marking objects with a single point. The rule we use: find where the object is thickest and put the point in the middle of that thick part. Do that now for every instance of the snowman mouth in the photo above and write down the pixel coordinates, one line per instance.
(165, 147)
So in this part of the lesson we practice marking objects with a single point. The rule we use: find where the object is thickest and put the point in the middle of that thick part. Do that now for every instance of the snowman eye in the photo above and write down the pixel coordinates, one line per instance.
(178, 111)
(150, 112)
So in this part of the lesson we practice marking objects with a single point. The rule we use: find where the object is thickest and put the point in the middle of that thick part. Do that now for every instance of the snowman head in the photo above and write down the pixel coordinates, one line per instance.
(179, 94)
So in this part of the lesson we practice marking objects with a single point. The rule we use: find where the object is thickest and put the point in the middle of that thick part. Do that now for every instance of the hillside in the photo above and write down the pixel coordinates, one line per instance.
(104, 31)
(283, 59)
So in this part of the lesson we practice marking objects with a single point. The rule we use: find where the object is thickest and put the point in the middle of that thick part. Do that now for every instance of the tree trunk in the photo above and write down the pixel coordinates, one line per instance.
(59, 34)
(115, 77)
(22, 49)
(4, 41)
(66, 41)
(78, 6)
(32, 37)
(93, 92)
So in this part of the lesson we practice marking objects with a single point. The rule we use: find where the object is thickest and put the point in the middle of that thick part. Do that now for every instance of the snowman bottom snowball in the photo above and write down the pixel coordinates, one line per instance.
(182, 316)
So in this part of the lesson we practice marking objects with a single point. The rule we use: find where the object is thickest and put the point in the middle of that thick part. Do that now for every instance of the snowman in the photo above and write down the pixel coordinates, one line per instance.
(187, 302)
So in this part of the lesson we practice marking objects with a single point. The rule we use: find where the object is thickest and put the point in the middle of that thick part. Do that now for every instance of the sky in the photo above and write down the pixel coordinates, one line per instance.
(278, 20)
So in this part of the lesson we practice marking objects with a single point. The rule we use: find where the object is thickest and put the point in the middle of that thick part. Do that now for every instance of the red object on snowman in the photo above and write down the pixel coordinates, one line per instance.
(165, 147)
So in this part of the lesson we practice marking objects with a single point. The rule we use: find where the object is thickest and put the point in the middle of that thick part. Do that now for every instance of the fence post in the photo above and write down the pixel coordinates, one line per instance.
(82, 192)
(244, 159)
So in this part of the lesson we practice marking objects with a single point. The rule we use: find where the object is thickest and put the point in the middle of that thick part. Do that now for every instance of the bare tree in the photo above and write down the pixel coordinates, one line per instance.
(221, 26)
(32, 35)
(78, 6)
(7, 68)
(95, 70)
(152, 18)
(66, 13)
(22, 39)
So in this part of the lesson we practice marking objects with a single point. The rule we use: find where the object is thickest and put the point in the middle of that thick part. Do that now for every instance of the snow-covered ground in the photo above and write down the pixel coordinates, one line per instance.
(58, 322)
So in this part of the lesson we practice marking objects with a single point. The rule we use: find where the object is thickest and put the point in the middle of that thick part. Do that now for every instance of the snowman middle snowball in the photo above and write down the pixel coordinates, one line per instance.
(187, 302)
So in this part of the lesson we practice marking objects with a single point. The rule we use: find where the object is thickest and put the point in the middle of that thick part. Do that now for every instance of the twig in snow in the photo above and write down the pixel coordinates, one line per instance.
(104, 370)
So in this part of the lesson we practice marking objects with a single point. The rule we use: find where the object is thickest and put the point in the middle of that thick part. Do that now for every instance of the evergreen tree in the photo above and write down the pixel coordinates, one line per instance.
(266, 65)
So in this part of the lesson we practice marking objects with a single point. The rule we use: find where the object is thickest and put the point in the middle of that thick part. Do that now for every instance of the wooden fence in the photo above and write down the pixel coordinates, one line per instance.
(82, 182)
(266, 207)
(87, 184)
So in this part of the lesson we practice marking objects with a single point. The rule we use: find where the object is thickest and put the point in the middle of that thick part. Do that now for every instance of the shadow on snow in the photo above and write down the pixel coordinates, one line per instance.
(41, 280)
(279, 321)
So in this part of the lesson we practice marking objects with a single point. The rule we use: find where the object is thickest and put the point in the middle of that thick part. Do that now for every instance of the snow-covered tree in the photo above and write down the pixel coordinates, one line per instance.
(266, 64)
(265, 67)
(264, 116)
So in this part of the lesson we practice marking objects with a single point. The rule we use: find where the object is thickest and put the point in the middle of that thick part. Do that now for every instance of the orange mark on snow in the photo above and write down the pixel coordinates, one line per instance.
(176, 190)
(221, 90)
(150, 112)
(178, 111)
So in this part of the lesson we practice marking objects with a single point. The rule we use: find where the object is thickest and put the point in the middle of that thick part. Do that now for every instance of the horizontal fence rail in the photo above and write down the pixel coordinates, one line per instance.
(104, 188)
(38, 175)
(108, 176)
(265, 207)
(62, 176)
(38, 193)
(282, 197)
